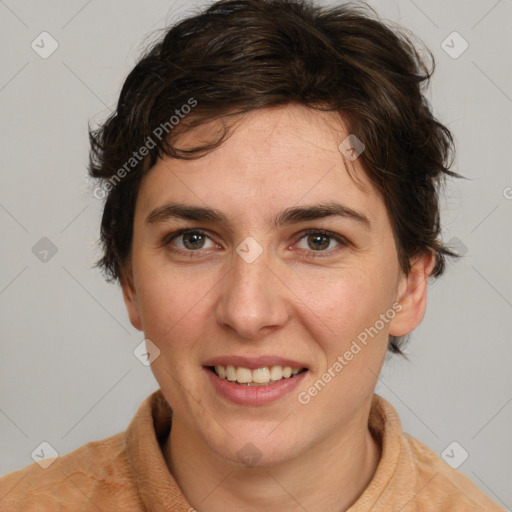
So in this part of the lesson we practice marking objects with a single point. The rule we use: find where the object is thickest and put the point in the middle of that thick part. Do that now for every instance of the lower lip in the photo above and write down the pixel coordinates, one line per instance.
(254, 395)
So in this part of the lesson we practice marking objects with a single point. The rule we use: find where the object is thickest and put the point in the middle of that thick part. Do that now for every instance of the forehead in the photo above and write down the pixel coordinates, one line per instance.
(272, 158)
(292, 131)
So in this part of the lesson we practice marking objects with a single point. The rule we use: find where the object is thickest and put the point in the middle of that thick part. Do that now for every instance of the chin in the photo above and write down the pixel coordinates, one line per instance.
(258, 450)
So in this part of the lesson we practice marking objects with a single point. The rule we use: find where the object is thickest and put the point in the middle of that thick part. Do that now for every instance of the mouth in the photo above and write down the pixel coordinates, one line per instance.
(262, 376)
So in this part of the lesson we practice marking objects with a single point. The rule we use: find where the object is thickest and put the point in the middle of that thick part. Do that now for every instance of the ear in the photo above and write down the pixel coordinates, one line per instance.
(412, 295)
(130, 297)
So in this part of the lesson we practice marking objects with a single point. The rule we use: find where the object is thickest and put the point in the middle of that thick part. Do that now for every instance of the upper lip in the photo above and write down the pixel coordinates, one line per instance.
(253, 362)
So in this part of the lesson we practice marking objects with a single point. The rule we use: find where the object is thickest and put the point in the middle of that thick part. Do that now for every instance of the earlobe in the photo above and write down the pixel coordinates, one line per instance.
(130, 299)
(412, 295)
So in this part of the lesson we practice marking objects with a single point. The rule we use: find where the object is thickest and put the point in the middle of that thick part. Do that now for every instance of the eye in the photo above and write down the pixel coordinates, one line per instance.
(189, 240)
(315, 240)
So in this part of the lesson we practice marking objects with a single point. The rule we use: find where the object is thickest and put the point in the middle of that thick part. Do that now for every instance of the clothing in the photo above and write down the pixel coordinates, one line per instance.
(127, 472)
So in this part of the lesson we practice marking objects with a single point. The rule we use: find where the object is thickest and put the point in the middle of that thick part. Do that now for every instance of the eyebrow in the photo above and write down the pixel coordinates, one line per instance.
(288, 216)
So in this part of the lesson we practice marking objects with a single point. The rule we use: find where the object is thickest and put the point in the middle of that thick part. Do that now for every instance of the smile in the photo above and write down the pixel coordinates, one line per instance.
(263, 376)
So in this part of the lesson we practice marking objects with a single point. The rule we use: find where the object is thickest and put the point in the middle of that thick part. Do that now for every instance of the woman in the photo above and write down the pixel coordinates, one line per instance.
(271, 178)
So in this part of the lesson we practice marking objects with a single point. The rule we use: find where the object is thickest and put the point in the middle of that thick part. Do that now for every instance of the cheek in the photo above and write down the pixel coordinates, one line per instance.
(344, 302)
(342, 311)
(170, 304)
(174, 315)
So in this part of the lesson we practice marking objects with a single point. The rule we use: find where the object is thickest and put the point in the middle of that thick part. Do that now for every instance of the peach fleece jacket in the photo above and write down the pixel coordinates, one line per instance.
(127, 472)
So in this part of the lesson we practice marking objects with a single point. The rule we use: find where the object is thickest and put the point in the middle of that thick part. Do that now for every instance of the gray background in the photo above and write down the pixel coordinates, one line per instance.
(67, 370)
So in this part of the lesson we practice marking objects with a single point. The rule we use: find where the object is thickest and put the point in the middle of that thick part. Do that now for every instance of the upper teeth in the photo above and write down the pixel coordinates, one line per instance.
(258, 375)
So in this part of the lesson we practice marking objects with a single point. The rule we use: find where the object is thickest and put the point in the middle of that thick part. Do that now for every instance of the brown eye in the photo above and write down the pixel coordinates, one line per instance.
(190, 241)
(193, 240)
(318, 242)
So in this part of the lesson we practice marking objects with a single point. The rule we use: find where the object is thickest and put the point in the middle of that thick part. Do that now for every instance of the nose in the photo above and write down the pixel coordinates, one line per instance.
(253, 301)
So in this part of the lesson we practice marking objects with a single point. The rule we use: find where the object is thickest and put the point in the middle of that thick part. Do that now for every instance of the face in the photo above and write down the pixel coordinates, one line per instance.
(288, 264)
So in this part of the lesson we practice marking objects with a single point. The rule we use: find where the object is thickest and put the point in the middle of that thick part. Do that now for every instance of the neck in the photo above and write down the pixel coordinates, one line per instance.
(329, 476)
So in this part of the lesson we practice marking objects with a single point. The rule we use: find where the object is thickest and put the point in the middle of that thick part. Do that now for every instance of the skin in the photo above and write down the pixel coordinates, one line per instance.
(294, 301)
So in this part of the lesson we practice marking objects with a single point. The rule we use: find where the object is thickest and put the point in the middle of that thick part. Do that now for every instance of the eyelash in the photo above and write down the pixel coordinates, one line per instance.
(311, 254)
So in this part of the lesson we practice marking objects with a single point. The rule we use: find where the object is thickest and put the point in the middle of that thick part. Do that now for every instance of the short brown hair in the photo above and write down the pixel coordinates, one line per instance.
(241, 55)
